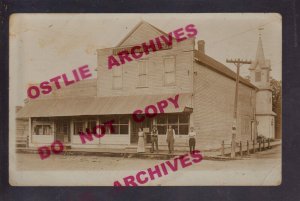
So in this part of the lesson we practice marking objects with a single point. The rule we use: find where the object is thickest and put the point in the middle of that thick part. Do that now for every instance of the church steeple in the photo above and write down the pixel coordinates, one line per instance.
(260, 67)
(260, 57)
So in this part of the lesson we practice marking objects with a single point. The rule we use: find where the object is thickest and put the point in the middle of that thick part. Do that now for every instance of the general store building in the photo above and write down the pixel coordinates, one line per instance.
(205, 86)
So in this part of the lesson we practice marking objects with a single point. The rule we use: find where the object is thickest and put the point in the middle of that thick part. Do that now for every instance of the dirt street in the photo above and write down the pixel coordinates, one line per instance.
(262, 168)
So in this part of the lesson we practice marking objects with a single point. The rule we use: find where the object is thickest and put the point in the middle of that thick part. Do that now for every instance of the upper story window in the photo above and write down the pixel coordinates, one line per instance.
(117, 77)
(257, 76)
(169, 70)
(142, 76)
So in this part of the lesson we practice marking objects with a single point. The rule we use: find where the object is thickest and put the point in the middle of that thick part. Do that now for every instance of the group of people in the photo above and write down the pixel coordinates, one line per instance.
(170, 134)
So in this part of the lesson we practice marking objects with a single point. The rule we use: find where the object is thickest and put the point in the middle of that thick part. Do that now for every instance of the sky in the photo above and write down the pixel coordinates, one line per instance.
(43, 46)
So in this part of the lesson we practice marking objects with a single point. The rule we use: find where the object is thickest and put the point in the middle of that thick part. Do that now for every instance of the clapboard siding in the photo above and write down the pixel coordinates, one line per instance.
(183, 53)
(213, 108)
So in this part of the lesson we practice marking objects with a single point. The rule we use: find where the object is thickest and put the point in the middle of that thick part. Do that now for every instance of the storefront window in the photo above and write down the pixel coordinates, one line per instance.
(91, 124)
(115, 129)
(179, 122)
(42, 130)
(124, 129)
(120, 124)
(78, 127)
(162, 129)
(183, 129)
(184, 118)
(62, 127)
(161, 119)
(172, 118)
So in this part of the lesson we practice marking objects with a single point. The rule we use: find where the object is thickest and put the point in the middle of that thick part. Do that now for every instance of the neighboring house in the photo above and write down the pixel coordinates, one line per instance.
(206, 91)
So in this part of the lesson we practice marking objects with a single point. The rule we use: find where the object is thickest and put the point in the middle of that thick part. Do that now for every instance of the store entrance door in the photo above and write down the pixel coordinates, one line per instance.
(62, 131)
(146, 125)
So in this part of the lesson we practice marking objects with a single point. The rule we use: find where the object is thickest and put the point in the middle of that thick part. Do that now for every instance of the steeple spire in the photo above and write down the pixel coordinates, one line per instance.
(260, 57)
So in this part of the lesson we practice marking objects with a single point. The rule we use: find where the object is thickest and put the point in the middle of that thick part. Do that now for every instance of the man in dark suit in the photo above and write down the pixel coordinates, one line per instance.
(154, 138)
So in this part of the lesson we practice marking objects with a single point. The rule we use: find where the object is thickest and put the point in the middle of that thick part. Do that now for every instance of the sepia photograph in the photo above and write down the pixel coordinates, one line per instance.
(145, 99)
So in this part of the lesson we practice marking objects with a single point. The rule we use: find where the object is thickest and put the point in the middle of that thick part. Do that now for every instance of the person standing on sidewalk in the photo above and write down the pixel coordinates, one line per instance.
(154, 138)
(192, 140)
(170, 139)
(141, 141)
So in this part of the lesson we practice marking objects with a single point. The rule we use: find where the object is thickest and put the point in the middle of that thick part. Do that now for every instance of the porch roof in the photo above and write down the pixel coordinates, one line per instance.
(99, 105)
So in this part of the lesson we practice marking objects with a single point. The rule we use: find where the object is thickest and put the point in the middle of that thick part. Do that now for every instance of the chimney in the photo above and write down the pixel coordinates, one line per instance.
(201, 46)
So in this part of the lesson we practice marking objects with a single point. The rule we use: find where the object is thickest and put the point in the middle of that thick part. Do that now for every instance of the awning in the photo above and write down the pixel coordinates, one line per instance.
(100, 105)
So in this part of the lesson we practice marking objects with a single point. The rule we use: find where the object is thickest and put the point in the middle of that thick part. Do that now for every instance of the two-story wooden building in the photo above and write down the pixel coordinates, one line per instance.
(206, 91)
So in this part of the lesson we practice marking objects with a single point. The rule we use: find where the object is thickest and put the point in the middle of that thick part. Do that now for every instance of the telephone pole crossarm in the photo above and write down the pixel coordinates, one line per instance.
(238, 61)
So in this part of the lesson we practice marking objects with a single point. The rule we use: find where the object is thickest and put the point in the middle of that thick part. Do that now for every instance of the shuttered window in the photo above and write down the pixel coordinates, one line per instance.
(142, 76)
(169, 68)
(117, 77)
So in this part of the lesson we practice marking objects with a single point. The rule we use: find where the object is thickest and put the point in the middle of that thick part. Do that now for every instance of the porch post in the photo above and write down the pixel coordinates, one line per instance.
(29, 133)
(71, 131)
(129, 130)
(98, 123)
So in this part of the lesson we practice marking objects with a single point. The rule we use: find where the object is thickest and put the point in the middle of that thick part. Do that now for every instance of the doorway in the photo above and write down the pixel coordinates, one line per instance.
(147, 127)
(62, 130)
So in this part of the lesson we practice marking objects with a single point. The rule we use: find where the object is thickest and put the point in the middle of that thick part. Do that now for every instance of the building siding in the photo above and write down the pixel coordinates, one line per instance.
(213, 108)
(183, 53)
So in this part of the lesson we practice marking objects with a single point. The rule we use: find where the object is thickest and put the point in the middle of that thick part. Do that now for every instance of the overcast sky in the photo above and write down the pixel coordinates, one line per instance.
(46, 45)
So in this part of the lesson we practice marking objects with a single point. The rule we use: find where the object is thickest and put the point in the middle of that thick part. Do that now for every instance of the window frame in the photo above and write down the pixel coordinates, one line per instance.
(117, 76)
(177, 124)
(77, 121)
(89, 124)
(43, 129)
(59, 126)
(141, 61)
(165, 72)
(117, 122)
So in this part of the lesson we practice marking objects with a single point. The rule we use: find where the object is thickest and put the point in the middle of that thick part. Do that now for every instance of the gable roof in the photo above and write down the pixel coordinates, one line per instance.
(141, 26)
(198, 56)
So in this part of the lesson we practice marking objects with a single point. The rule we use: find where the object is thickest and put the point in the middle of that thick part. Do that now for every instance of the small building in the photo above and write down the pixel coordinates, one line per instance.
(206, 90)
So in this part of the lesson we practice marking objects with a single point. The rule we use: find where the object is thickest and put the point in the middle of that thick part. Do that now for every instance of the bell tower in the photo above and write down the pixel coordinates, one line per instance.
(260, 68)
(260, 77)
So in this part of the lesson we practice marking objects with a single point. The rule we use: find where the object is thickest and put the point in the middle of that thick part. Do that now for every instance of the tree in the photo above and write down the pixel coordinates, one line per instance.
(276, 87)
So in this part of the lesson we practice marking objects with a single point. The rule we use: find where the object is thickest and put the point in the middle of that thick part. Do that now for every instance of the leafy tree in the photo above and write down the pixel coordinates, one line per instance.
(276, 87)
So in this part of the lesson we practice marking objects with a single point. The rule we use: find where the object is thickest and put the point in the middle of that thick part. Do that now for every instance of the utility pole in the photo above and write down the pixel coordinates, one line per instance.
(237, 63)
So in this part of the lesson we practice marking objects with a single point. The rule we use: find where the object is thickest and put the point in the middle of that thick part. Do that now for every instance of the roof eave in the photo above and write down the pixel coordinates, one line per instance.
(197, 57)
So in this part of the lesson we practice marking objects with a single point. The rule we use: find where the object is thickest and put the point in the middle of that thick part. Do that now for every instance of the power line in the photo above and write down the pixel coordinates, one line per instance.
(240, 33)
